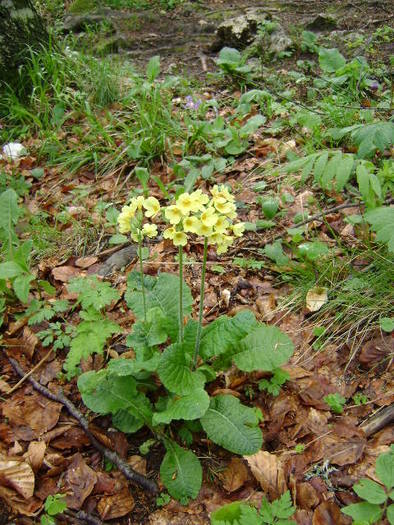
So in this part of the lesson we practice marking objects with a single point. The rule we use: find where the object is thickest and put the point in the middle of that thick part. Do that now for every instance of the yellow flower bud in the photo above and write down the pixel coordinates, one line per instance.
(152, 207)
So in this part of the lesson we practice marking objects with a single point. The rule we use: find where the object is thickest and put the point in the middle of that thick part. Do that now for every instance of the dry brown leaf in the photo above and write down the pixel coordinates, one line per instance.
(17, 474)
(376, 350)
(328, 513)
(307, 497)
(65, 273)
(4, 386)
(235, 475)
(26, 507)
(35, 454)
(80, 481)
(268, 470)
(85, 262)
(31, 415)
(137, 463)
(29, 341)
(316, 298)
(116, 506)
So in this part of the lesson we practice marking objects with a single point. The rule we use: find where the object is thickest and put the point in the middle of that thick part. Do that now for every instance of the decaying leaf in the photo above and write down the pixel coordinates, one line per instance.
(235, 475)
(17, 474)
(116, 506)
(20, 505)
(316, 298)
(80, 481)
(65, 273)
(138, 463)
(35, 454)
(268, 470)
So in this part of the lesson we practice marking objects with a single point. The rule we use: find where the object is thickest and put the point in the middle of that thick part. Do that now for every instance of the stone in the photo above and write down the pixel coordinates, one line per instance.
(14, 150)
(238, 32)
(322, 22)
(279, 41)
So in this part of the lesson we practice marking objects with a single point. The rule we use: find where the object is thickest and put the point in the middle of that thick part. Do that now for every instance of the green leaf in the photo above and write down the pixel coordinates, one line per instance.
(344, 171)
(252, 125)
(313, 250)
(385, 469)
(151, 332)
(363, 512)
(181, 472)
(90, 338)
(236, 513)
(136, 415)
(266, 348)
(320, 165)
(229, 55)
(370, 491)
(188, 407)
(275, 252)
(153, 68)
(55, 504)
(93, 293)
(175, 373)
(330, 60)
(10, 269)
(382, 222)
(21, 286)
(390, 514)
(9, 209)
(387, 324)
(223, 335)
(232, 425)
(270, 207)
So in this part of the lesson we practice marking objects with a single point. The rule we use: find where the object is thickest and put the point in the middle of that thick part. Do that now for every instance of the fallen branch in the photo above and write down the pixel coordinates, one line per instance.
(112, 456)
(378, 421)
(82, 516)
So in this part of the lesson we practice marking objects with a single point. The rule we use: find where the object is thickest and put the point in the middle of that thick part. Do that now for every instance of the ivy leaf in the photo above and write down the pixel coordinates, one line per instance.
(174, 371)
(223, 335)
(93, 293)
(181, 473)
(363, 512)
(385, 468)
(370, 491)
(189, 407)
(266, 348)
(90, 338)
(382, 222)
(232, 425)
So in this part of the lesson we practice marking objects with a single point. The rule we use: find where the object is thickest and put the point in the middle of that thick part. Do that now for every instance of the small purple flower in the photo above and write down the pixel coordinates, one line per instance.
(192, 104)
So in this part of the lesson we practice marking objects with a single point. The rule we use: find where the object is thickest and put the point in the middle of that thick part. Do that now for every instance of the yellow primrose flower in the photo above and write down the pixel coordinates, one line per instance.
(169, 233)
(173, 214)
(124, 219)
(190, 224)
(135, 235)
(199, 200)
(185, 203)
(152, 206)
(222, 205)
(179, 239)
(221, 191)
(221, 225)
(216, 238)
(150, 230)
(137, 202)
(238, 229)
(203, 229)
(209, 217)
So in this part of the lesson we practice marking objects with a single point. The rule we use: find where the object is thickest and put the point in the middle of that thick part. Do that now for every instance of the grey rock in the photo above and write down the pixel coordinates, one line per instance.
(238, 32)
(279, 41)
(118, 260)
(322, 22)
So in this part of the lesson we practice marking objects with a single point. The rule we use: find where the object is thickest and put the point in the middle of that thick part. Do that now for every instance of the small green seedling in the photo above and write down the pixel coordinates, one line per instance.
(335, 402)
(375, 496)
(273, 385)
(54, 505)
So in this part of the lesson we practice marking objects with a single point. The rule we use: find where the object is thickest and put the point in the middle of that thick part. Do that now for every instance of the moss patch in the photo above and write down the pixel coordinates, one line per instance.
(82, 6)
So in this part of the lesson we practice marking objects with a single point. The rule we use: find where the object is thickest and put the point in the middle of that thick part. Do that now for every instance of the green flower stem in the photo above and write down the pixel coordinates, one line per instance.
(142, 273)
(180, 260)
(202, 290)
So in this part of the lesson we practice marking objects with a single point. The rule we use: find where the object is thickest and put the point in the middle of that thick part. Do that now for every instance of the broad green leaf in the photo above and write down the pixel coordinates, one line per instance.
(320, 165)
(387, 324)
(275, 252)
(92, 292)
(229, 55)
(236, 513)
(330, 60)
(223, 335)
(370, 491)
(21, 286)
(252, 125)
(385, 469)
(10, 269)
(363, 512)
(132, 367)
(126, 422)
(232, 425)
(266, 348)
(344, 171)
(151, 332)
(382, 222)
(188, 407)
(270, 207)
(313, 250)
(9, 209)
(175, 371)
(181, 473)
(390, 514)
(328, 175)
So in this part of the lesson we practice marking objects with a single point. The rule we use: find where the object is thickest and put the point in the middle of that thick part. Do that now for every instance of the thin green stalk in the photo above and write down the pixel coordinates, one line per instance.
(142, 273)
(180, 338)
(202, 290)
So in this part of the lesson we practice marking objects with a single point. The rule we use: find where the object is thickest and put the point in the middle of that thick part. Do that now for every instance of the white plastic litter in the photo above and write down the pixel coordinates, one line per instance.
(14, 150)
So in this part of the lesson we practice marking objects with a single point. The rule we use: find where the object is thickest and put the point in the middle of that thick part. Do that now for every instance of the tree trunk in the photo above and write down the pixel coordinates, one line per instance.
(20, 27)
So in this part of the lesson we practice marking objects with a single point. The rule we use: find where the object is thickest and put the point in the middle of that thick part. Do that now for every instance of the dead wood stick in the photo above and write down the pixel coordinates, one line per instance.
(82, 516)
(378, 421)
(28, 374)
(112, 456)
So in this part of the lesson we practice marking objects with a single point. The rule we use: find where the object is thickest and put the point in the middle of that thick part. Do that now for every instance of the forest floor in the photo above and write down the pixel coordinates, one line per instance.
(309, 262)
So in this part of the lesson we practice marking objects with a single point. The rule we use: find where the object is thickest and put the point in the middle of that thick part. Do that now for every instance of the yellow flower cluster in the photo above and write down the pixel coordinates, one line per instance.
(207, 217)
(130, 219)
